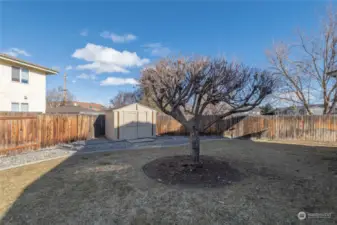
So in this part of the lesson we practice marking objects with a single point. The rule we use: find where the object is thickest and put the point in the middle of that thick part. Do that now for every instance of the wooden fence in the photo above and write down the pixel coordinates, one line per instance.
(166, 125)
(34, 131)
(311, 128)
(19, 132)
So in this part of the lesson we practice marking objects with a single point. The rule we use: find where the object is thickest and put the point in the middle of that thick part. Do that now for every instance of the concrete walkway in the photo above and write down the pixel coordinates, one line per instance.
(93, 146)
(97, 145)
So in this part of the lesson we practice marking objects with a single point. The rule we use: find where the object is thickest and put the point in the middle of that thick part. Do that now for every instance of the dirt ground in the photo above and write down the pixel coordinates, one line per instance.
(278, 181)
(182, 170)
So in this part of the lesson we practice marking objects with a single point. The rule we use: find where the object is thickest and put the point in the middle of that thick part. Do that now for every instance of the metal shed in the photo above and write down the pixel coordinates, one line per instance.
(130, 122)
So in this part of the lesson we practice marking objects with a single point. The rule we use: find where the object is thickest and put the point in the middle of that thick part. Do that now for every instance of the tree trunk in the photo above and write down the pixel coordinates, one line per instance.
(195, 145)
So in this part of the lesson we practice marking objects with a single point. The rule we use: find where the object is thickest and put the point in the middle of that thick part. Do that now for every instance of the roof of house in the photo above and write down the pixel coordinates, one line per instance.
(71, 109)
(89, 105)
(300, 106)
(21, 62)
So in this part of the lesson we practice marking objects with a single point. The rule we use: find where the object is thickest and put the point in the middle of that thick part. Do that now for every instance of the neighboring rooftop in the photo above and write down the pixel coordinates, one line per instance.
(84, 105)
(71, 109)
(21, 62)
(317, 109)
(89, 105)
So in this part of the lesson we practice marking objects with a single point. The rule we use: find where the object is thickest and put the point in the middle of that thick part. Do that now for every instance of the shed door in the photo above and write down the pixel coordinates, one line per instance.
(135, 124)
(144, 124)
(128, 125)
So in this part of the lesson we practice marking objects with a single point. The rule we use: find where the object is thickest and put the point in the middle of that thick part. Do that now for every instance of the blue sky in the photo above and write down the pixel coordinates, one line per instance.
(107, 43)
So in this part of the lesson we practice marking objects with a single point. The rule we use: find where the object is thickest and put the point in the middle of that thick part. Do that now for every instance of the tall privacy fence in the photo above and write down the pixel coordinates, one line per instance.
(311, 128)
(26, 131)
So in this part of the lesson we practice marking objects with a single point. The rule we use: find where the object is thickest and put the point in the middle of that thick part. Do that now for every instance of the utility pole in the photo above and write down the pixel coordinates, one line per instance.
(64, 89)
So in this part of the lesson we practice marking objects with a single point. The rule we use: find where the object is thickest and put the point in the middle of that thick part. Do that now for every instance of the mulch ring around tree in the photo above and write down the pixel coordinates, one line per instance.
(180, 170)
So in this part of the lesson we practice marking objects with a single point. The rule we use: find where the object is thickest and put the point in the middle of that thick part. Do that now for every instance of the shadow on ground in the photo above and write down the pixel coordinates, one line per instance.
(111, 188)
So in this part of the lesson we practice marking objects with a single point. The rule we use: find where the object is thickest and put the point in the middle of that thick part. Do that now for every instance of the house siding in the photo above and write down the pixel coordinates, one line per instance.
(10, 91)
(317, 110)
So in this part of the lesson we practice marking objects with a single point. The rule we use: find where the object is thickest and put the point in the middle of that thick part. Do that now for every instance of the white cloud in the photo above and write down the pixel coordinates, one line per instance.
(69, 68)
(107, 60)
(114, 81)
(85, 76)
(84, 33)
(118, 38)
(74, 81)
(100, 67)
(157, 49)
(16, 52)
(153, 45)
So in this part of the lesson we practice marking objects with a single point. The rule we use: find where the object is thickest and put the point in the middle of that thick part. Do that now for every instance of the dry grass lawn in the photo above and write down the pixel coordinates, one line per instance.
(277, 182)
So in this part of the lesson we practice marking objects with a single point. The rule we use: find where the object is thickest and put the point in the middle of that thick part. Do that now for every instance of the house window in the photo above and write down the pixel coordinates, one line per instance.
(15, 107)
(24, 107)
(15, 74)
(20, 75)
(24, 76)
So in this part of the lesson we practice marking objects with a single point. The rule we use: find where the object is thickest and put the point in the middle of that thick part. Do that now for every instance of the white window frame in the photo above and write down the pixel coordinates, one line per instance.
(26, 103)
(19, 108)
(20, 74)
(16, 67)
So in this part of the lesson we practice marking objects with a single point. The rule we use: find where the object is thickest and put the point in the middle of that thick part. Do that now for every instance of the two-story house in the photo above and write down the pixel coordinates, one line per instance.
(22, 85)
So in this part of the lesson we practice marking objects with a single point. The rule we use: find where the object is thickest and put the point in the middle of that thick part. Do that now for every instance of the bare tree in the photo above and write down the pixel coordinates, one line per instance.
(145, 98)
(303, 67)
(55, 97)
(184, 88)
(124, 98)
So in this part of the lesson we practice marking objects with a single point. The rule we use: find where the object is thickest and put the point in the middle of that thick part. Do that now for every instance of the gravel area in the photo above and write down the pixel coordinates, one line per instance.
(32, 157)
(91, 146)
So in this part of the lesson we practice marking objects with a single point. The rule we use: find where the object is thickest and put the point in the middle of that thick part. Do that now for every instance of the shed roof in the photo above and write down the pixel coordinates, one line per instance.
(120, 107)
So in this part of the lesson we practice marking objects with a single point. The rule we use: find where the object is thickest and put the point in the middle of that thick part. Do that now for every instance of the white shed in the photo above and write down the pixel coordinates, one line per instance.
(130, 122)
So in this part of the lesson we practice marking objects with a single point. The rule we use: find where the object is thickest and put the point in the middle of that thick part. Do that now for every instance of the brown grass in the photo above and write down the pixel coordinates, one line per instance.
(111, 188)
(299, 142)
